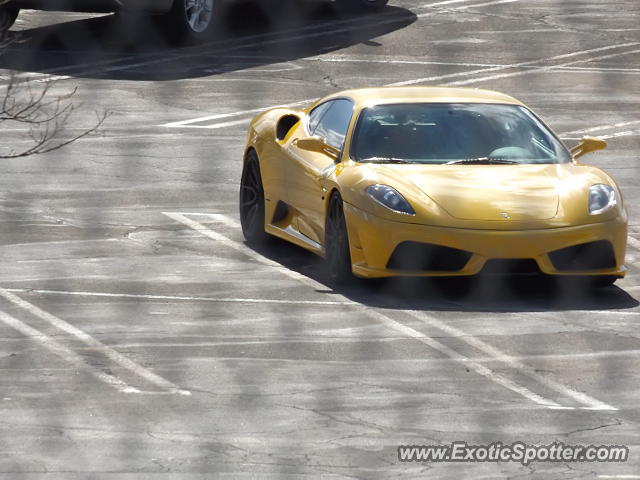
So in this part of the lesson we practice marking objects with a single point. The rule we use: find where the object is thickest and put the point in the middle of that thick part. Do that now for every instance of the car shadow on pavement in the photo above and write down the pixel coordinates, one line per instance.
(483, 293)
(121, 47)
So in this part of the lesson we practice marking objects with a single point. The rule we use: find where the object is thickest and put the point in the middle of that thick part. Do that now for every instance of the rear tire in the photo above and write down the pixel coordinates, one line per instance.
(252, 201)
(8, 15)
(191, 21)
(336, 244)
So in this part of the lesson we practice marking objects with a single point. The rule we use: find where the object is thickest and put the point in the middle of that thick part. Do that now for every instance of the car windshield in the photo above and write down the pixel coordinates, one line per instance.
(454, 133)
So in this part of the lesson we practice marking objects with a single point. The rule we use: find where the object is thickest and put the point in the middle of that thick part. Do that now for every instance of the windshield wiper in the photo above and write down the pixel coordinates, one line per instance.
(482, 161)
(385, 160)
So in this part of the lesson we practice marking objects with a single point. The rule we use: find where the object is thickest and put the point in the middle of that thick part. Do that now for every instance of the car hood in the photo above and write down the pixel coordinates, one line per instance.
(488, 192)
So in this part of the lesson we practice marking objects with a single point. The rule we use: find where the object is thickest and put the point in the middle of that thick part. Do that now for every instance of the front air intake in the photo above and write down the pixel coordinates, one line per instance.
(426, 257)
(586, 256)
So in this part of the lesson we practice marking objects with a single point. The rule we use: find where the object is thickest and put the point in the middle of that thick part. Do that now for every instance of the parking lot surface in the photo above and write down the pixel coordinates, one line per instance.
(140, 337)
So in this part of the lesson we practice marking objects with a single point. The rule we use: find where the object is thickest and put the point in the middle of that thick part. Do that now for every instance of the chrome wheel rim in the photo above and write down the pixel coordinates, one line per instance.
(199, 14)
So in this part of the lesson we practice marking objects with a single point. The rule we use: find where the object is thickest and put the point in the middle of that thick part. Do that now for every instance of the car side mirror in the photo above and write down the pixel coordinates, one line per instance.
(587, 145)
(319, 145)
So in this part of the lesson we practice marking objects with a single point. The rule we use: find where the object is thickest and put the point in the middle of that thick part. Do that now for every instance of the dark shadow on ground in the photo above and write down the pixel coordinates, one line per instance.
(114, 46)
(482, 293)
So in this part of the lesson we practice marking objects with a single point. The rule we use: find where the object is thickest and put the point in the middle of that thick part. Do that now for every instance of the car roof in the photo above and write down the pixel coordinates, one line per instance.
(386, 95)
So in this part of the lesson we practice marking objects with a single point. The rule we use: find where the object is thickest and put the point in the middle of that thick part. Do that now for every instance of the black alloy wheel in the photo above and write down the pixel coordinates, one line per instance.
(192, 21)
(336, 242)
(252, 201)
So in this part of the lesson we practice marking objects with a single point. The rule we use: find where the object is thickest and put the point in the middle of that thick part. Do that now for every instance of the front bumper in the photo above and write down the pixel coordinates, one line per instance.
(373, 241)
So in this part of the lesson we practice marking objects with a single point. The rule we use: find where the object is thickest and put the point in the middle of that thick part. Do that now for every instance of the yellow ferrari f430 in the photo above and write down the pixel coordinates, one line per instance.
(430, 182)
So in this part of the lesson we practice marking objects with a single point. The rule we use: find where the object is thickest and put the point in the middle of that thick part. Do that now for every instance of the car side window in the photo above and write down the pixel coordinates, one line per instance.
(335, 122)
(316, 115)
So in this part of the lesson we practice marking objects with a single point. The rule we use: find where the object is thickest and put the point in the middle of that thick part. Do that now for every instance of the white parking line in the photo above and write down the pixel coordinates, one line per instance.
(466, 361)
(540, 69)
(164, 298)
(227, 115)
(68, 355)
(619, 476)
(240, 247)
(220, 46)
(280, 40)
(600, 128)
(513, 65)
(93, 343)
(242, 117)
(317, 30)
(587, 402)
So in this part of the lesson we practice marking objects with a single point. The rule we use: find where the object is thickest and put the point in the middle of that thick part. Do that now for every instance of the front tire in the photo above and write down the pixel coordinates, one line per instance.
(336, 243)
(252, 201)
(192, 21)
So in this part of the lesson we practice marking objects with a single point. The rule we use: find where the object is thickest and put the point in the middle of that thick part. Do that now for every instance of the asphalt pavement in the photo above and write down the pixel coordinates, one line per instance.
(141, 338)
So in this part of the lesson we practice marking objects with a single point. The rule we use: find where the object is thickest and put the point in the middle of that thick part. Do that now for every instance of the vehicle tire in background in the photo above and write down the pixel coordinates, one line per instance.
(252, 201)
(192, 21)
(8, 15)
(336, 244)
(356, 6)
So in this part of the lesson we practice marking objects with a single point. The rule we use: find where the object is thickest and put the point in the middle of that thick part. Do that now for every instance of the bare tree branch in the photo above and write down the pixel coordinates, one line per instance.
(44, 115)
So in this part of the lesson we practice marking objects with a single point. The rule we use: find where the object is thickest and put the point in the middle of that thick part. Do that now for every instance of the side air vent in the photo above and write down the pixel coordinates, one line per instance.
(586, 256)
(285, 124)
(281, 212)
(417, 257)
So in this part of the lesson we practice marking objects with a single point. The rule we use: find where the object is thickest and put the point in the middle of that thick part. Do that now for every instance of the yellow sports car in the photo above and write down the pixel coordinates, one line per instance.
(430, 182)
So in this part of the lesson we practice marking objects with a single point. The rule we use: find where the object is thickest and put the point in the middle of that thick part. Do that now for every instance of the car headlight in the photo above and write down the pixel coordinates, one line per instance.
(601, 199)
(390, 198)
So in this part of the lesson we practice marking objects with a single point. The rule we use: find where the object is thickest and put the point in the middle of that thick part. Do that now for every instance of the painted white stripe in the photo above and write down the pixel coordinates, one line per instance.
(164, 298)
(230, 115)
(438, 78)
(466, 361)
(382, 317)
(386, 61)
(619, 476)
(92, 342)
(628, 133)
(540, 69)
(215, 126)
(319, 30)
(347, 339)
(240, 247)
(475, 5)
(513, 363)
(600, 128)
(440, 4)
(289, 39)
(628, 71)
(515, 65)
(64, 353)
